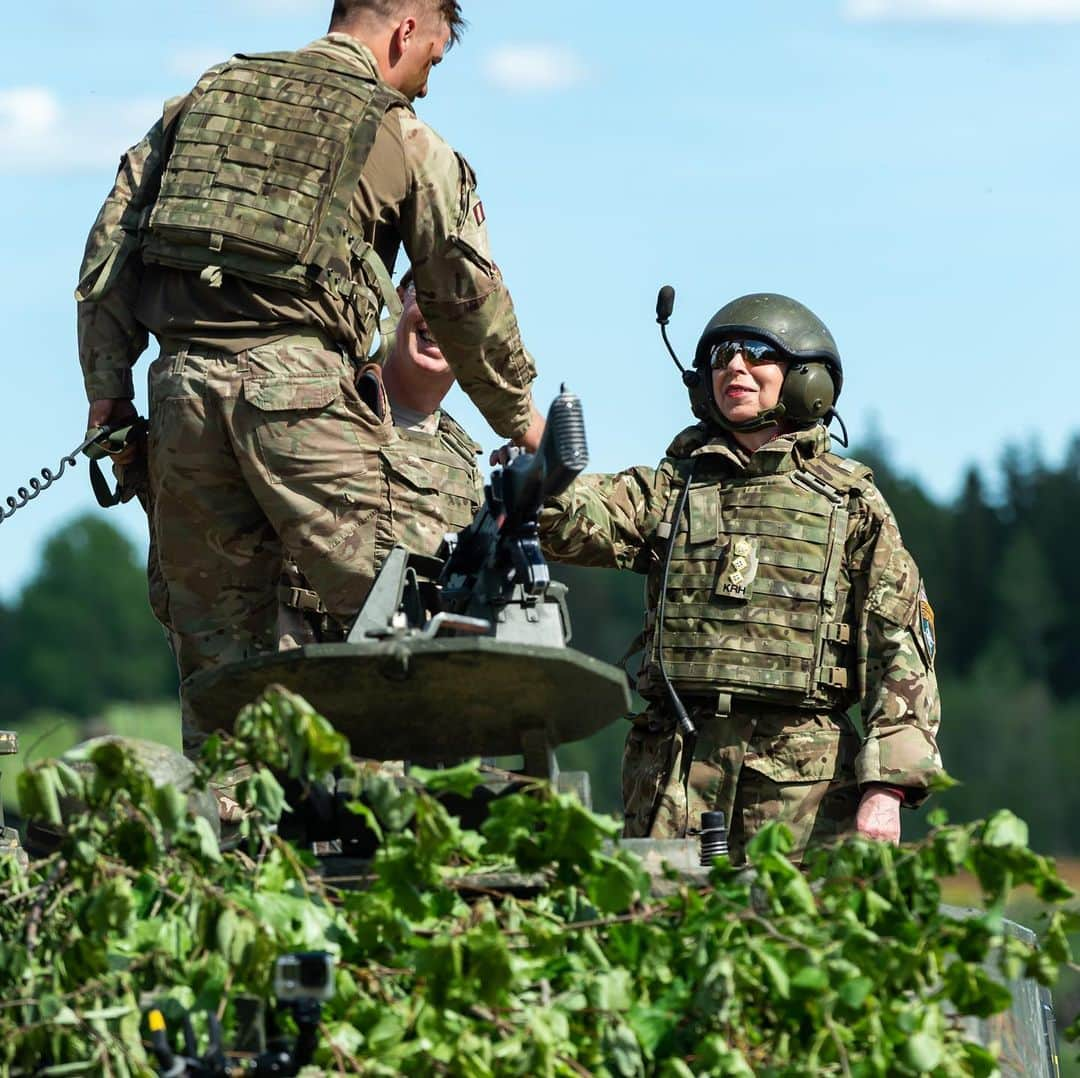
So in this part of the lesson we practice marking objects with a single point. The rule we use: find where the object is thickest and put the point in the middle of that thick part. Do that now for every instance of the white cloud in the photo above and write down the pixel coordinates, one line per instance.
(534, 68)
(40, 133)
(28, 110)
(1014, 11)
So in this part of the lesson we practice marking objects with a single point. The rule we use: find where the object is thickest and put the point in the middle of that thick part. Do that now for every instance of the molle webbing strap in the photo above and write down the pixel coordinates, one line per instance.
(456, 436)
(742, 678)
(785, 619)
(743, 641)
(778, 529)
(262, 178)
(768, 642)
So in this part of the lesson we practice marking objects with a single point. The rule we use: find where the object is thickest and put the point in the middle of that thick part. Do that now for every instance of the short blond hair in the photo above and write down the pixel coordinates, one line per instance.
(346, 10)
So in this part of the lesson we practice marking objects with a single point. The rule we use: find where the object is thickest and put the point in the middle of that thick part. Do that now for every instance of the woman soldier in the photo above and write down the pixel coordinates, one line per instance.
(779, 594)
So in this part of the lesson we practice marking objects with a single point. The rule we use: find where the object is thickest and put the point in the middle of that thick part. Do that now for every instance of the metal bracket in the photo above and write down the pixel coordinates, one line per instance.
(383, 599)
(539, 756)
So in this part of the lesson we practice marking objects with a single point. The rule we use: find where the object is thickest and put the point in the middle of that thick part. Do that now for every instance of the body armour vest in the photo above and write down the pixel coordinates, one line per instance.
(261, 179)
(758, 601)
(435, 483)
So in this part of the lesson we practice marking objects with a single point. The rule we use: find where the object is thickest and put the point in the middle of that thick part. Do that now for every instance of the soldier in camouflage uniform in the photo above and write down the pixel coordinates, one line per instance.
(429, 481)
(251, 232)
(779, 595)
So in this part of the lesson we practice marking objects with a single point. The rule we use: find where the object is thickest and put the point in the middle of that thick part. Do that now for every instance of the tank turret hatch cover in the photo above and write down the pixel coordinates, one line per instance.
(9, 743)
(429, 699)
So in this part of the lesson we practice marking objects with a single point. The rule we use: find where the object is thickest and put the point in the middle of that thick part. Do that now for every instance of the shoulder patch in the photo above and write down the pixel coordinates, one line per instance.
(927, 628)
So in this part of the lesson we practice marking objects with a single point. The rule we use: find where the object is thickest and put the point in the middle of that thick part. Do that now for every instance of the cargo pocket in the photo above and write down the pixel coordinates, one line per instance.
(821, 749)
(301, 430)
(337, 555)
(645, 771)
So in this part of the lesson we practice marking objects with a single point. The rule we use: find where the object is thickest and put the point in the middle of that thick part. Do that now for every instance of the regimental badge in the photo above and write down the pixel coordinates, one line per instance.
(738, 571)
(926, 623)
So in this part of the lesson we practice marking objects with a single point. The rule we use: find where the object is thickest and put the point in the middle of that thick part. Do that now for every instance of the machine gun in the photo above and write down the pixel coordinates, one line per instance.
(500, 550)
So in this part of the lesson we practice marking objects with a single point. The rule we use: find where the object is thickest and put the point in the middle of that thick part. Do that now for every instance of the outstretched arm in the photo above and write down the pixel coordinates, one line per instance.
(459, 287)
(606, 520)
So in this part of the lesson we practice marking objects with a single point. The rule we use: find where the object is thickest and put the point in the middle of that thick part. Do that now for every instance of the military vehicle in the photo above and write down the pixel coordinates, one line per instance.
(468, 655)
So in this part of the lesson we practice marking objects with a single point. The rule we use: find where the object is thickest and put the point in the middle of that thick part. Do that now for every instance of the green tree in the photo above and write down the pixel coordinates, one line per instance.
(965, 603)
(81, 634)
(607, 610)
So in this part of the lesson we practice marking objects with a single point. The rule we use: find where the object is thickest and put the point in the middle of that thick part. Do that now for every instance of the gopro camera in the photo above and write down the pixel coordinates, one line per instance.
(304, 975)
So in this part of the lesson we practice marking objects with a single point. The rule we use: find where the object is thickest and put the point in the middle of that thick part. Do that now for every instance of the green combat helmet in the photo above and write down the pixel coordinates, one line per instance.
(815, 374)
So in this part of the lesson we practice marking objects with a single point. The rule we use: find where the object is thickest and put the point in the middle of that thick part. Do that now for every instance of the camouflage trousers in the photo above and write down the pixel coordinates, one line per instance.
(254, 458)
(786, 765)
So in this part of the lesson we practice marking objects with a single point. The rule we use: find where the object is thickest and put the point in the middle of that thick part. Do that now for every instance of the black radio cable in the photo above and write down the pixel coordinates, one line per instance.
(686, 726)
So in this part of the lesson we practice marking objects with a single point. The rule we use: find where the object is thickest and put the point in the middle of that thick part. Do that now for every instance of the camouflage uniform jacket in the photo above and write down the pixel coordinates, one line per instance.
(414, 190)
(618, 521)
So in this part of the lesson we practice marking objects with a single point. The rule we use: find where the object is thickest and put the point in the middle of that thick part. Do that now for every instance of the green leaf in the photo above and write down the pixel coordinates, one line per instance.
(207, 840)
(1005, 829)
(940, 781)
(461, 780)
(773, 838)
(262, 792)
(922, 1052)
(675, 1068)
(616, 882)
(39, 794)
(611, 991)
(623, 1051)
(651, 1025)
(810, 979)
(774, 970)
(981, 1061)
(853, 994)
(170, 806)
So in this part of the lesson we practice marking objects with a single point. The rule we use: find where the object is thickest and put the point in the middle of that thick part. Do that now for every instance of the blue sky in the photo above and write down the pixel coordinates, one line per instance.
(905, 167)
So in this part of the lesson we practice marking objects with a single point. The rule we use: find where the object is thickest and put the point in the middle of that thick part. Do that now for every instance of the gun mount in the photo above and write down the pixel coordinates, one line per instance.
(457, 656)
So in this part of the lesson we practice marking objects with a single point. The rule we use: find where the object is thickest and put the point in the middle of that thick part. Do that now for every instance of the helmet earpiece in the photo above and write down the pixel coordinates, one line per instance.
(808, 393)
(815, 374)
(701, 395)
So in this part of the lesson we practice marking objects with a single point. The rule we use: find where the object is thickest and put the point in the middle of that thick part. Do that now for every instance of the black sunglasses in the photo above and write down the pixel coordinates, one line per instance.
(754, 354)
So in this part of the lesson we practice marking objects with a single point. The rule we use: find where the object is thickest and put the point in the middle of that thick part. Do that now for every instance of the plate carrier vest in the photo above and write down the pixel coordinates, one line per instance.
(449, 454)
(261, 179)
(757, 603)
